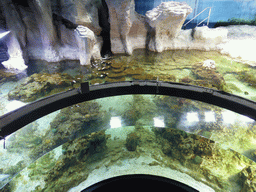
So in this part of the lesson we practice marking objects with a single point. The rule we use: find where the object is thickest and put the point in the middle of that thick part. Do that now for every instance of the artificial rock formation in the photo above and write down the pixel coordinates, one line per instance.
(166, 21)
(44, 30)
(128, 29)
(86, 40)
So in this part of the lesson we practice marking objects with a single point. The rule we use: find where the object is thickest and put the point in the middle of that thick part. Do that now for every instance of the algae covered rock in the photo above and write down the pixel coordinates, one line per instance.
(132, 141)
(207, 76)
(75, 152)
(248, 177)
(7, 76)
(72, 122)
(39, 85)
(184, 146)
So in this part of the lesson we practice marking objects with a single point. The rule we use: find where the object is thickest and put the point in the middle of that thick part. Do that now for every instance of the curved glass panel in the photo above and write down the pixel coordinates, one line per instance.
(203, 146)
(43, 54)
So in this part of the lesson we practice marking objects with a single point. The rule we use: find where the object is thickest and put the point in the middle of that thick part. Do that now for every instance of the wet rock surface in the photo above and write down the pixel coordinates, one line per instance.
(248, 179)
(70, 123)
(39, 85)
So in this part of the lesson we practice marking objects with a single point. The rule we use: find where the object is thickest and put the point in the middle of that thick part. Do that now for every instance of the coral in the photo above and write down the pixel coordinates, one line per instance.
(184, 146)
(186, 80)
(138, 108)
(116, 65)
(39, 85)
(12, 170)
(71, 122)
(248, 77)
(132, 141)
(6, 75)
(248, 179)
(72, 165)
(208, 77)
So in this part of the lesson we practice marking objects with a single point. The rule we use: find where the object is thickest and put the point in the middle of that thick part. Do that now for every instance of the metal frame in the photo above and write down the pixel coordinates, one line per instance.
(15, 120)
(209, 14)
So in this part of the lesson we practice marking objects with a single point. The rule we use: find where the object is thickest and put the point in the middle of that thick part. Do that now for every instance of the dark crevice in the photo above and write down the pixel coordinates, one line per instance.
(24, 3)
(103, 15)
(59, 19)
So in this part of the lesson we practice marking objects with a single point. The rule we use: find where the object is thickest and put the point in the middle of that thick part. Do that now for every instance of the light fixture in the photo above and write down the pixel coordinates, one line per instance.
(115, 122)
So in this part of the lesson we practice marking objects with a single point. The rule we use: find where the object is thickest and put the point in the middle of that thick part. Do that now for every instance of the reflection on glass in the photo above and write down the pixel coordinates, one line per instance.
(189, 141)
(159, 122)
(13, 105)
(115, 122)
(192, 117)
(209, 116)
(229, 117)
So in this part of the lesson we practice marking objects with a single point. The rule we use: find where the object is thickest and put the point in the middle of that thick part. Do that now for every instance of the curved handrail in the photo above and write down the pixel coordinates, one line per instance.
(15, 120)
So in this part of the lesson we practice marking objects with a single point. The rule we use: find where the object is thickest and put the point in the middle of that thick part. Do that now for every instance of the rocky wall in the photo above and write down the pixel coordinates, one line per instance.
(45, 30)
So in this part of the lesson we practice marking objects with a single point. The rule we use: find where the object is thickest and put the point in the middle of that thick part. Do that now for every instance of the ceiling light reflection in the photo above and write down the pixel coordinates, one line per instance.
(192, 117)
(4, 34)
(228, 117)
(115, 122)
(209, 116)
(246, 119)
(159, 122)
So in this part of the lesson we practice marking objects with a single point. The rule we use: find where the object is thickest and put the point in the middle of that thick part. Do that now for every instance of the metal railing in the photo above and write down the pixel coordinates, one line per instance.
(209, 14)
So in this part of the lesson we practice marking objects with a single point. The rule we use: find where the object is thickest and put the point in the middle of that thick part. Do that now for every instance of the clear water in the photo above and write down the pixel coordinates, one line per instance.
(183, 66)
(201, 145)
(130, 134)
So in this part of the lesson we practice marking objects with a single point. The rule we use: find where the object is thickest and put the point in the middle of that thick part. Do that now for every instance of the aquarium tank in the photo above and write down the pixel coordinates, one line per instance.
(92, 90)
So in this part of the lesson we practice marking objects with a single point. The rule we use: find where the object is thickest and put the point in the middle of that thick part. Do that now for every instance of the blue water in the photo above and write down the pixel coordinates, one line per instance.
(221, 9)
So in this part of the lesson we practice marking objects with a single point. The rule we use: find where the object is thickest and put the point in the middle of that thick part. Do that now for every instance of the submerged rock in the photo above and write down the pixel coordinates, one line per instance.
(207, 76)
(39, 85)
(248, 177)
(72, 122)
(7, 76)
(132, 141)
(75, 160)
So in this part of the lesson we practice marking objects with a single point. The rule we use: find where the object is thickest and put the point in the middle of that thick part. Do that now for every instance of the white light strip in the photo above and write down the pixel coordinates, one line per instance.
(192, 117)
(115, 122)
(245, 119)
(159, 122)
(228, 117)
(209, 116)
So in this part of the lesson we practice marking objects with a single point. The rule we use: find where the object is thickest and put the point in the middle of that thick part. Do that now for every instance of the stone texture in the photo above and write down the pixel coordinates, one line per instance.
(81, 12)
(166, 21)
(45, 30)
(16, 40)
(248, 179)
(86, 41)
(200, 38)
(128, 29)
(206, 36)
(39, 85)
